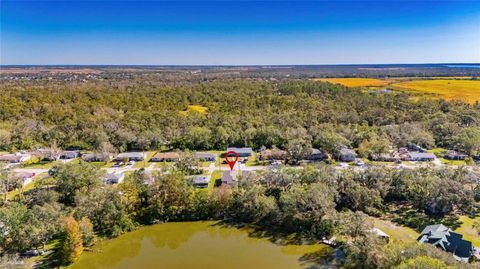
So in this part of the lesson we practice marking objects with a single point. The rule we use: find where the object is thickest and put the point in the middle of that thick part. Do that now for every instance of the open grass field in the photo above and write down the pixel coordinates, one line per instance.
(396, 232)
(356, 82)
(468, 231)
(448, 89)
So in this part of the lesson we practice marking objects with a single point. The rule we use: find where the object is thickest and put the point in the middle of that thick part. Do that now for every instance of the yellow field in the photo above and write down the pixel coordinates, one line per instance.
(448, 89)
(467, 230)
(356, 82)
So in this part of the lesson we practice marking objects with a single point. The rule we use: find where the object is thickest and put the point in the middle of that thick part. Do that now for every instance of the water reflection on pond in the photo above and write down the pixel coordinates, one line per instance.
(192, 245)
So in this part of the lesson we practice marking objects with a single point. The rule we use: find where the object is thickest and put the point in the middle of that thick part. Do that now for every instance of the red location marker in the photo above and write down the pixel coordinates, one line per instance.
(231, 163)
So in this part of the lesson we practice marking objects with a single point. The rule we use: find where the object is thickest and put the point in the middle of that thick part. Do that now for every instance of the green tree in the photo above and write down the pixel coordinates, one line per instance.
(71, 178)
(468, 140)
(423, 262)
(104, 207)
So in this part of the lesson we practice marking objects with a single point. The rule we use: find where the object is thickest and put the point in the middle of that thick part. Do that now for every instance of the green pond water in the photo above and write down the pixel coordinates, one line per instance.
(200, 245)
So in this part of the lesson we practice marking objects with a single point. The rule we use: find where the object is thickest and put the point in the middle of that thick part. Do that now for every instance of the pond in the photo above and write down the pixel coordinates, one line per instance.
(200, 245)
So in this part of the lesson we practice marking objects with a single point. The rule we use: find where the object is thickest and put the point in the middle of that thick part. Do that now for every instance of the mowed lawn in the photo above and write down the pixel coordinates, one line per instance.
(356, 82)
(468, 231)
(396, 232)
(448, 89)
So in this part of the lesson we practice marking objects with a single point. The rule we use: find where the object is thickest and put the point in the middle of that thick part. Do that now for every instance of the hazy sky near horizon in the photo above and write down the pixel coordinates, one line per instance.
(238, 32)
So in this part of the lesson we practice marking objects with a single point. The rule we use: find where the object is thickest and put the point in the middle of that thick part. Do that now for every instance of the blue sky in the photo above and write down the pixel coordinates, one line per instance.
(243, 32)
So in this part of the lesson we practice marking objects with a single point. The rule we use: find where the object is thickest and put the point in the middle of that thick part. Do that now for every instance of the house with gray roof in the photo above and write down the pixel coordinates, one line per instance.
(114, 178)
(200, 181)
(448, 240)
(204, 156)
(421, 156)
(242, 152)
(131, 156)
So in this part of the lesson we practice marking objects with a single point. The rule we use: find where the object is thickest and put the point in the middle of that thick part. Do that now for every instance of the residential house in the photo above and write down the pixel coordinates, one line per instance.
(165, 157)
(26, 177)
(446, 239)
(420, 156)
(242, 152)
(347, 155)
(384, 157)
(273, 154)
(230, 177)
(131, 156)
(205, 156)
(318, 155)
(414, 147)
(114, 178)
(200, 181)
(454, 155)
(69, 155)
(96, 157)
(15, 158)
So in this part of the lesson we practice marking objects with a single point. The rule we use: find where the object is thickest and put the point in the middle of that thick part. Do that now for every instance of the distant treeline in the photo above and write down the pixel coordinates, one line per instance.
(142, 114)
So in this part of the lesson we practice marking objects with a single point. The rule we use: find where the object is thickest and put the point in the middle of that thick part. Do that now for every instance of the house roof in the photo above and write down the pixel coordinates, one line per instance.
(240, 150)
(166, 155)
(201, 155)
(10, 157)
(114, 176)
(131, 155)
(200, 179)
(347, 151)
(421, 155)
(442, 236)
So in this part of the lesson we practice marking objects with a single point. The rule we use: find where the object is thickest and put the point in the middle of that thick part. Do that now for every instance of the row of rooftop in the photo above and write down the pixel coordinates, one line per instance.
(412, 153)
